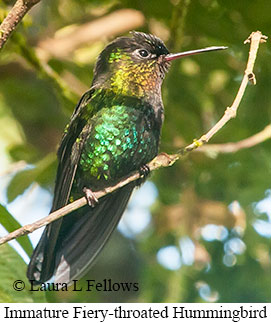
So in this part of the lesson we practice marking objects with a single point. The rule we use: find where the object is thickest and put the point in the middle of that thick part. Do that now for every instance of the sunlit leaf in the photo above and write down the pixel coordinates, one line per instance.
(11, 224)
(13, 268)
(27, 153)
(42, 173)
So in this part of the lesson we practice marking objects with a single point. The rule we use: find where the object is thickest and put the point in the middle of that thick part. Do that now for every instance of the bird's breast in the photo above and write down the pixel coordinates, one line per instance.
(120, 141)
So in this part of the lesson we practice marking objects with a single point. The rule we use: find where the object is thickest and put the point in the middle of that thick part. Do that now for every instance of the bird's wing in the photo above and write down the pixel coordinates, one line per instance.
(41, 265)
(69, 153)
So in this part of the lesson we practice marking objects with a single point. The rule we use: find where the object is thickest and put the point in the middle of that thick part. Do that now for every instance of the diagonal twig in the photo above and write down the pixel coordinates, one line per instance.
(16, 14)
(232, 147)
(162, 160)
(254, 39)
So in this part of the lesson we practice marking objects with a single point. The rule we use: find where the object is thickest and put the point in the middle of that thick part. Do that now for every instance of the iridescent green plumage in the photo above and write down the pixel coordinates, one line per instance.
(115, 129)
(118, 133)
(113, 138)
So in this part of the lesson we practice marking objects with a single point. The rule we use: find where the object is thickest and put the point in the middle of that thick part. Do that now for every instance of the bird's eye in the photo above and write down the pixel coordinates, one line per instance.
(143, 53)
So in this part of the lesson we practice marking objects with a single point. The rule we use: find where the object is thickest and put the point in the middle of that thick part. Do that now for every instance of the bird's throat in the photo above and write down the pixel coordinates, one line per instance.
(136, 80)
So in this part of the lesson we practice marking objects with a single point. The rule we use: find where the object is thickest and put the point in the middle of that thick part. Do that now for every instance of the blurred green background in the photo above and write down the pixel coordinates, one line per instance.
(207, 238)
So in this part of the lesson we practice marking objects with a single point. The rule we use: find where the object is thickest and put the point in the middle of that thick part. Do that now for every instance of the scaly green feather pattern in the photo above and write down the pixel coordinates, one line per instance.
(120, 139)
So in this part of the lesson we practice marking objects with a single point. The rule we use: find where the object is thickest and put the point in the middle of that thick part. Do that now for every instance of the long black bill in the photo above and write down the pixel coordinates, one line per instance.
(171, 57)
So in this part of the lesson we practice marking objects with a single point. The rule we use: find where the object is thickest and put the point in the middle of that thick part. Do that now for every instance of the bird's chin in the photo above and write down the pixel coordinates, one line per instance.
(164, 65)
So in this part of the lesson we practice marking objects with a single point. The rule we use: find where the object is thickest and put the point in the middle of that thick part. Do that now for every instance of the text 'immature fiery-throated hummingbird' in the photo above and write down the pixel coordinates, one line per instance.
(114, 130)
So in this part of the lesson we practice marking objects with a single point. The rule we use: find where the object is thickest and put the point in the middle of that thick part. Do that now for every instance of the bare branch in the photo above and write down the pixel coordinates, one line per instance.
(232, 147)
(13, 18)
(254, 39)
(162, 160)
(15, 167)
(110, 25)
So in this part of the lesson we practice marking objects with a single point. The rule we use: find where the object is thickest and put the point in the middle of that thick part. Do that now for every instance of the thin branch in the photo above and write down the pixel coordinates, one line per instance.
(15, 167)
(13, 18)
(232, 147)
(178, 19)
(254, 39)
(110, 25)
(162, 160)
(44, 70)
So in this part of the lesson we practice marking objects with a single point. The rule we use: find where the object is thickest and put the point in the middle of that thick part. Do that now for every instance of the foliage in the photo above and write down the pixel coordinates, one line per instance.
(38, 90)
(12, 269)
(10, 224)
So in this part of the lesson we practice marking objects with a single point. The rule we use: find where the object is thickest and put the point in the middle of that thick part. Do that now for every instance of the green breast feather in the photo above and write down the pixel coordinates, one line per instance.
(116, 135)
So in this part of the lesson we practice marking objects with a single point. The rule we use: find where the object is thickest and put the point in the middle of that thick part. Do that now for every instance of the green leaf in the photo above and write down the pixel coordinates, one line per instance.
(10, 224)
(47, 170)
(20, 182)
(13, 268)
(42, 174)
(25, 152)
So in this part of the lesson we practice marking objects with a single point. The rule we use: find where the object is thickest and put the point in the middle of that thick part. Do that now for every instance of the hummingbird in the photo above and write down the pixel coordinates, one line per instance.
(114, 130)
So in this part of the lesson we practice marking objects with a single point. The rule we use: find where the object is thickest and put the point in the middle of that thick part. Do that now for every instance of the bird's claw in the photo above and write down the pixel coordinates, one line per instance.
(90, 196)
(144, 172)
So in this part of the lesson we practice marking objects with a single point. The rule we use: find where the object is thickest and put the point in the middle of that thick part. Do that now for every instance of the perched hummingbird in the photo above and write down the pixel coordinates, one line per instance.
(114, 130)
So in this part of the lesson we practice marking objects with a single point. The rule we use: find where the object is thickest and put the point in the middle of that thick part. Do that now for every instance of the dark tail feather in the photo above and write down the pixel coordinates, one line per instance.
(42, 263)
(69, 247)
(87, 236)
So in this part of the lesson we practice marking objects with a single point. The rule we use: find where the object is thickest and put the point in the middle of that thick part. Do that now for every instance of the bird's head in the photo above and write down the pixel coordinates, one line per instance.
(132, 65)
(136, 65)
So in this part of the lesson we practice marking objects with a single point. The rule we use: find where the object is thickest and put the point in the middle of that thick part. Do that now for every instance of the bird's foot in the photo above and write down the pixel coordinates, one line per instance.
(144, 172)
(90, 196)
